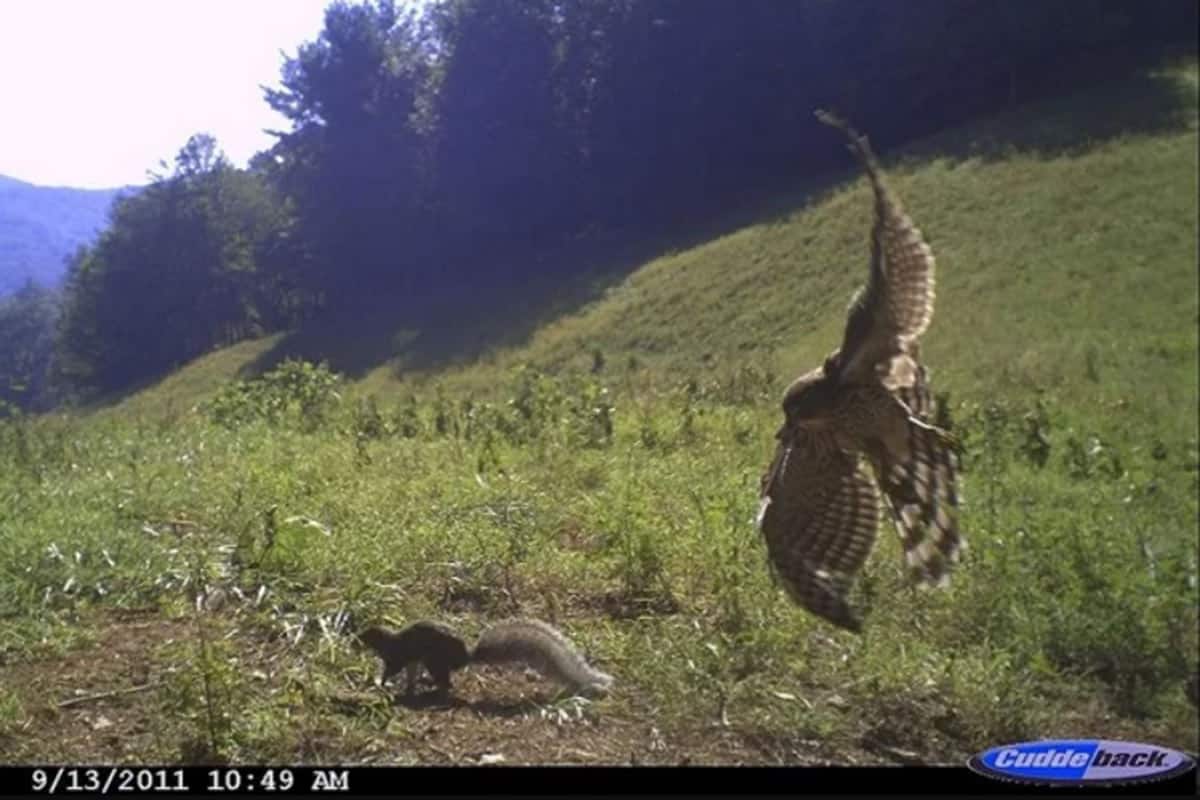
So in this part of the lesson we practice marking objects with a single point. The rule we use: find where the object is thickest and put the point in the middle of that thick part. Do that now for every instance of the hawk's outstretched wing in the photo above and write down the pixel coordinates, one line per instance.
(819, 515)
(895, 307)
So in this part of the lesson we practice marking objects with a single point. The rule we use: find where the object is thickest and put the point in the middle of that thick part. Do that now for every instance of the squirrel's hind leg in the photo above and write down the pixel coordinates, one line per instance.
(411, 669)
(389, 669)
(441, 677)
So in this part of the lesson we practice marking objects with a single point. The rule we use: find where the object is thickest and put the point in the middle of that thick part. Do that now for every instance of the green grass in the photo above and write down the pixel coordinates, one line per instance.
(603, 474)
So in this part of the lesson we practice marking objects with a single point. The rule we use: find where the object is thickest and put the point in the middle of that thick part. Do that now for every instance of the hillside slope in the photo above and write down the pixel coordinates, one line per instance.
(1054, 261)
(40, 226)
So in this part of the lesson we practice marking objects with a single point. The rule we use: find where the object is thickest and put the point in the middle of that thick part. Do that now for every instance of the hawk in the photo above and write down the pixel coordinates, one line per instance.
(861, 423)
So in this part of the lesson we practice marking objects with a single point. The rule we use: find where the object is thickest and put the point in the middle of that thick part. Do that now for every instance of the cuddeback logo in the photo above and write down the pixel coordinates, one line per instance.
(1083, 761)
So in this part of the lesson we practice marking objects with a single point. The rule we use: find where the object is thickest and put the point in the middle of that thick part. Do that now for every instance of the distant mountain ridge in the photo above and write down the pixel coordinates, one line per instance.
(41, 225)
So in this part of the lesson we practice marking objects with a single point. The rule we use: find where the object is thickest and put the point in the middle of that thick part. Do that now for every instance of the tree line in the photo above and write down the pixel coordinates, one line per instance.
(425, 146)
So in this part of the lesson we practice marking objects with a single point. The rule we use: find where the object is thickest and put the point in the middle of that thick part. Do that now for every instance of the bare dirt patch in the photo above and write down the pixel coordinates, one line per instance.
(94, 703)
(102, 703)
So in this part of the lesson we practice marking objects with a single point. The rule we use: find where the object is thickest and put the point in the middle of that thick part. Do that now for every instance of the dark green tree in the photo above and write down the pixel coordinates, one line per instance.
(27, 323)
(500, 146)
(353, 163)
(175, 273)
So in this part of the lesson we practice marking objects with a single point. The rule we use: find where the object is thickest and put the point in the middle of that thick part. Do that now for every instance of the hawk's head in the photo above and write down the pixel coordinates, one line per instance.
(809, 400)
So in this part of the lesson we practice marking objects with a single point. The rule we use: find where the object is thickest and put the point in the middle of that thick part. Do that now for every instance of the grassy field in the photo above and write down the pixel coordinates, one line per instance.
(179, 568)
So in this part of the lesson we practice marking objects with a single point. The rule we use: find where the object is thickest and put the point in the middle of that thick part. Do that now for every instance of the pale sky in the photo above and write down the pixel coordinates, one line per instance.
(93, 93)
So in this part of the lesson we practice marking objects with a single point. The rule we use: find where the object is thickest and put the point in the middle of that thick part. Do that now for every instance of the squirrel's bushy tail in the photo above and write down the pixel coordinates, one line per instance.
(543, 647)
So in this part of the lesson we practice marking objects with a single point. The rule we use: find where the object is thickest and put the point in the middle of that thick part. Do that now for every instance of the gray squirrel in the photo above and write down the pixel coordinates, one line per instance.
(441, 651)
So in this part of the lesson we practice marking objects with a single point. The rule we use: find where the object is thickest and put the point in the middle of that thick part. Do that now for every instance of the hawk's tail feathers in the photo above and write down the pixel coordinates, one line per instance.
(858, 143)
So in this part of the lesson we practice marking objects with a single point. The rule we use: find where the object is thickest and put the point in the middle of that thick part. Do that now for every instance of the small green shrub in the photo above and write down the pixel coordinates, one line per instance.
(295, 390)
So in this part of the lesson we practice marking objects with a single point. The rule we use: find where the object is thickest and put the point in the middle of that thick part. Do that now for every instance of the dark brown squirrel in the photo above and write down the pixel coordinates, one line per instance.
(442, 651)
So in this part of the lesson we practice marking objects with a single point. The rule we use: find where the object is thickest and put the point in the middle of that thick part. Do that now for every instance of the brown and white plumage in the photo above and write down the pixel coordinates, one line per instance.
(861, 423)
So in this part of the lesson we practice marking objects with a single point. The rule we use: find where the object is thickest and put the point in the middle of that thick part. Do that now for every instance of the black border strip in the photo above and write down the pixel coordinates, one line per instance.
(553, 781)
